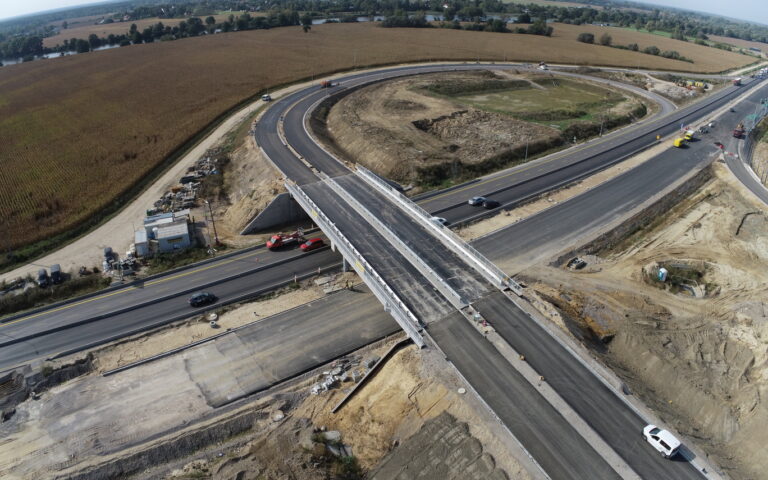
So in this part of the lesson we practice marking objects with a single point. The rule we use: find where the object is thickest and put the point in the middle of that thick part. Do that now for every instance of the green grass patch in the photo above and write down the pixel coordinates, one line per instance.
(555, 102)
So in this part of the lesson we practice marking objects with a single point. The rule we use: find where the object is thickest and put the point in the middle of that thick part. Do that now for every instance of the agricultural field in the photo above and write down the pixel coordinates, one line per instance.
(707, 59)
(86, 27)
(737, 42)
(80, 133)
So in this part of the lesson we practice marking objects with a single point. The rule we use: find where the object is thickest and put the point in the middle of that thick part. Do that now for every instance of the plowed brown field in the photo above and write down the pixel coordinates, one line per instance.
(78, 132)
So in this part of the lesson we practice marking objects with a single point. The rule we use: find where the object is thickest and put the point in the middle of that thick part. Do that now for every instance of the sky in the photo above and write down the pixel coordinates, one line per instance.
(752, 10)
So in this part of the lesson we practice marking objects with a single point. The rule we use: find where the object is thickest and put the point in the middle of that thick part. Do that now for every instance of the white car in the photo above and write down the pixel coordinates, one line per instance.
(663, 441)
(266, 98)
(440, 221)
(476, 201)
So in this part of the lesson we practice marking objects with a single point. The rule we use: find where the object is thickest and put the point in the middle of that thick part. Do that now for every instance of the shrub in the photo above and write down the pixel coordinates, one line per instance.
(652, 50)
(633, 46)
(606, 39)
(586, 38)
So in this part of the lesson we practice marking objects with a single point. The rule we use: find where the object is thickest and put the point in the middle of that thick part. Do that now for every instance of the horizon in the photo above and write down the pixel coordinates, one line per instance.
(16, 9)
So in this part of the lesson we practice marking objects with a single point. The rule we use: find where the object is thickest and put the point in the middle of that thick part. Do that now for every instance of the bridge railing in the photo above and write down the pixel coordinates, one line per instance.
(455, 243)
(434, 278)
(392, 303)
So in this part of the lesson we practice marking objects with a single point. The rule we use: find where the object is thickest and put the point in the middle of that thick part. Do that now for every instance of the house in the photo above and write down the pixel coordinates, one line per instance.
(172, 236)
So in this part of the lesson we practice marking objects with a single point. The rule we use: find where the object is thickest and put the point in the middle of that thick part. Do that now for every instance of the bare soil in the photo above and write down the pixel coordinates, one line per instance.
(701, 362)
(251, 183)
(401, 131)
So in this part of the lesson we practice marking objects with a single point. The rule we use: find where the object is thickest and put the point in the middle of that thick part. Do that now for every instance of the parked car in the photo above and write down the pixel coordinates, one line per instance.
(201, 298)
(42, 278)
(476, 201)
(663, 441)
(266, 98)
(491, 204)
(312, 244)
(440, 221)
(56, 277)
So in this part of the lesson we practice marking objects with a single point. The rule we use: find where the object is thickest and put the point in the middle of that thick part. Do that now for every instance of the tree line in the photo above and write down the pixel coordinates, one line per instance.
(27, 40)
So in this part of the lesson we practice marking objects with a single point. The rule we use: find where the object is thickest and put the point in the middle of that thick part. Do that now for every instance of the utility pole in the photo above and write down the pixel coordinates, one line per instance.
(213, 222)
(527, 139)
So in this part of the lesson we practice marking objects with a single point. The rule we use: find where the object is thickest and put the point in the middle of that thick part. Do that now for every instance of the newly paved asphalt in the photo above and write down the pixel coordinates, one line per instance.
(738, 150)
(154, 302)
(471, 366)
(579, 387)
(108, 328)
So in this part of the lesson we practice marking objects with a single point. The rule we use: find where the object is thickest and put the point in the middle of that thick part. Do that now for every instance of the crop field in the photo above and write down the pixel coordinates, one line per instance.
(737, 42)
(80, 132)
(705, 58)
(86, 27)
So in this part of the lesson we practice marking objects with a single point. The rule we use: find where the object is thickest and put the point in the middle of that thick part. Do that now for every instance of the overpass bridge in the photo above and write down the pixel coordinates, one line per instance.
(438, 289)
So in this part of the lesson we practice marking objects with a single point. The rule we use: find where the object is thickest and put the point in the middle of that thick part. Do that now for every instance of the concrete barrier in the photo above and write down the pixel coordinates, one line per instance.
(282, 210)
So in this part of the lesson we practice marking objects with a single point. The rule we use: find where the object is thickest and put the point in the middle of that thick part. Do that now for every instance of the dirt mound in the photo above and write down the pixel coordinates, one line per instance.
(476, 135)
(251, 182)
(397, 130)
(700, 361)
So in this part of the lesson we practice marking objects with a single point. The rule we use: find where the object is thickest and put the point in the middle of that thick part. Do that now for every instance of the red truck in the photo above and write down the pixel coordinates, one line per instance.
(283, 239)
(738, 132)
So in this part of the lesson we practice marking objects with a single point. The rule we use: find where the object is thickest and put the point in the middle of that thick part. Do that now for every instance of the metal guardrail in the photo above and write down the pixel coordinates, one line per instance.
(392, 303)
(434, 278)
(490, 271)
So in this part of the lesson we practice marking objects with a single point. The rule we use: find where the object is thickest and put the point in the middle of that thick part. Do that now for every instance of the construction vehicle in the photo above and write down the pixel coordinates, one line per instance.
(738, 132)
(737, 81)
(679, 142)
(284, 239)
(690, 135)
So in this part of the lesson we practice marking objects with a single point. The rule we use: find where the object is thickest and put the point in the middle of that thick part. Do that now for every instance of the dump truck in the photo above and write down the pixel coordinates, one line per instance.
(327, 84)
(738, 132)
(679, 142)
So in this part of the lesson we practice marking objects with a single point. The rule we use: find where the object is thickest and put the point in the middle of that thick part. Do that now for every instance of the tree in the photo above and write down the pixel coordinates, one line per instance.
(210, 21)
(64, 25)
(652, 50)
(606, 40)
(633, 46)
(586, 37)
(94, 41)
(82, 46)
(523, 18)
(539, 27)
(306, 22)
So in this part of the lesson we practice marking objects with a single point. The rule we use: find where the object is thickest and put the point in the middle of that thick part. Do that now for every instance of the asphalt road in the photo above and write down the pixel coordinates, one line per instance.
(163, 299)
(599, 406)
(738, 151)
(542, 430)
(267, 136)
(579, 386)
(528, 241)
(456, 345)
